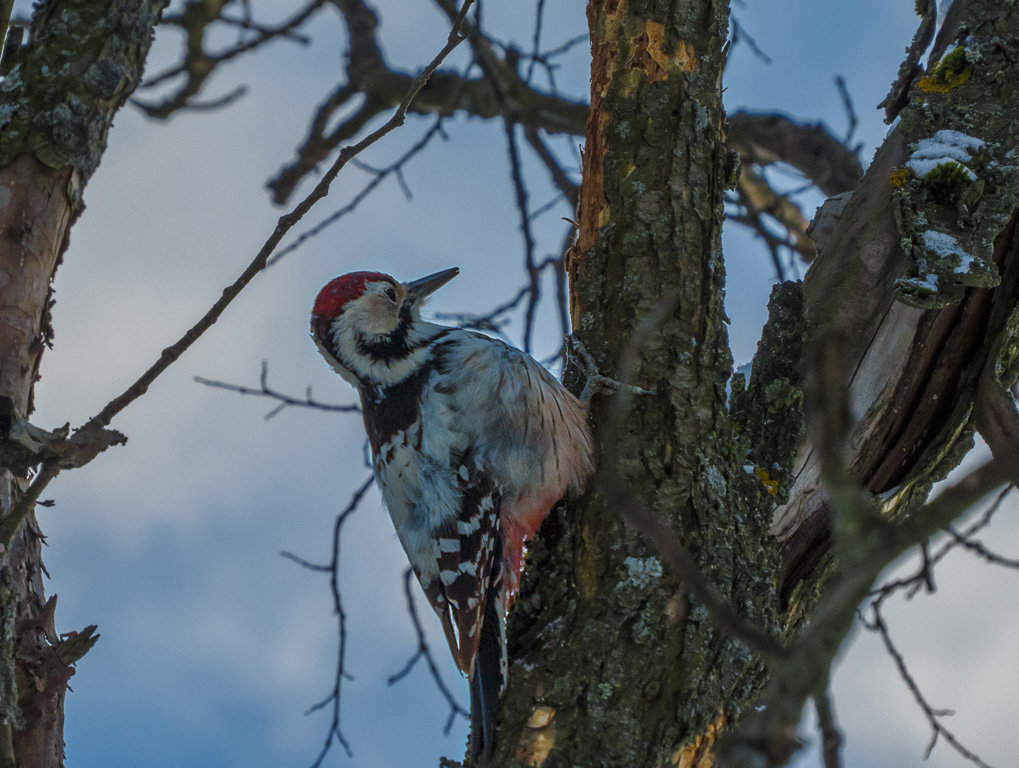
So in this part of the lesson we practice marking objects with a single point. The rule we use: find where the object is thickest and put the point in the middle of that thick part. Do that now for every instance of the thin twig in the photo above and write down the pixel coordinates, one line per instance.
(933, 715)
(335, 732)
(847, 103)
(218, 103)
(10, 523)
(378, 176)
(423, 651)
(265, 34)
(566, 47)
(918, 580)
(909, 70)
(284, 400)
(493, 320)
(740, 35)
(569, 189)
(246, 24)
(487, 322)
(539, 23)
(983, 552)
(533, 272)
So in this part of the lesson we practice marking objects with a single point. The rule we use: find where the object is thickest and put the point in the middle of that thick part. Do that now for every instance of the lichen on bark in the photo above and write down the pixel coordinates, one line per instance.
(959, 185)
(82, 60)
(769, 408)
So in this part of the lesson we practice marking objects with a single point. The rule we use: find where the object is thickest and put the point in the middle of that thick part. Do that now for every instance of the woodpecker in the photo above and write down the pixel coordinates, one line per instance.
(472, 442)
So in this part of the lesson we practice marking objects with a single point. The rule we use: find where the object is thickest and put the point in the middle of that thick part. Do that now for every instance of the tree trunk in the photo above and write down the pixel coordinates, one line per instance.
(82, 61)
(612, 662)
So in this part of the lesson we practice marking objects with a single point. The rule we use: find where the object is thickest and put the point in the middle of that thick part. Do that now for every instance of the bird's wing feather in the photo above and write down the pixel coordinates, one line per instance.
(468, 550)
(525, 425)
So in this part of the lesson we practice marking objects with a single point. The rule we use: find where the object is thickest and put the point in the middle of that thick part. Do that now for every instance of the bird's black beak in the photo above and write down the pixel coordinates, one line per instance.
(419, 289)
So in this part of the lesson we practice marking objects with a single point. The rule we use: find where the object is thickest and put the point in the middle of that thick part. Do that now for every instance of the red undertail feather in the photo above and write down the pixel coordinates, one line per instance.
(517, 528)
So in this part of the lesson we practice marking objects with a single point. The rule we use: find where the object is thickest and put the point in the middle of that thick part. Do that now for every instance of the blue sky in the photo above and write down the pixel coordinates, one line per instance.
(212, 644)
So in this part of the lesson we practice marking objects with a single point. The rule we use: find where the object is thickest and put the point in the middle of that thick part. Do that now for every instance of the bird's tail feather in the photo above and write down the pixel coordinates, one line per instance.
(489, 673)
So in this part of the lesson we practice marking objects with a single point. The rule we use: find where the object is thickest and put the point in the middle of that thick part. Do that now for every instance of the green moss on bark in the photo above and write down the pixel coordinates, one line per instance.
(769, 411)
(949, 214)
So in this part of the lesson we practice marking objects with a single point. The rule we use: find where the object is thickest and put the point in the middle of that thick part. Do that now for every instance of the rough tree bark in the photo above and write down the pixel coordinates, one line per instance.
(612, 662)
(83, 59)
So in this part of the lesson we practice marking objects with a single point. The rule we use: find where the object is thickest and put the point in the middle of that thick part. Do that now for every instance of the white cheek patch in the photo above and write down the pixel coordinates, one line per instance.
(345, 340)
(373, 315)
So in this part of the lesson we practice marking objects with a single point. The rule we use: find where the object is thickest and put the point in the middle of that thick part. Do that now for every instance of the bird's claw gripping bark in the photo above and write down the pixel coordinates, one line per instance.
(596, 383)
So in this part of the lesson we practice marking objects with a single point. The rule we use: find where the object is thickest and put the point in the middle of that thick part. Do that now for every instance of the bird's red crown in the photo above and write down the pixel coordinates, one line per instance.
(331, 299)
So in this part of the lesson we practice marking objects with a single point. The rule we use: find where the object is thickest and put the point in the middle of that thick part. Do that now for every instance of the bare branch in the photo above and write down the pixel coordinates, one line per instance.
(739, 35)
(831, 739)
(494, 320)
(248, 24)
(539, 23)
(983, 552)
(763, 139)
(533, 271)
(198, 65)
(759, 199)
(25, 448)
(866, 544)
(909, 70)
(335, 733)
(491, 321)
(923, 576)
(566, 185)
(847, 103)
(265, 390)
(378, 176)
(10, 523)
(566, 47)
(218, 103)
(939, 513)
(424, 652)
(23, 445)
(546, 60)
(284, 225)
(499, 92)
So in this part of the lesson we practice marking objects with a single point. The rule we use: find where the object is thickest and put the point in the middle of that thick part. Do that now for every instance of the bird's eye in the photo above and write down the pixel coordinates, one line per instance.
(391, 294)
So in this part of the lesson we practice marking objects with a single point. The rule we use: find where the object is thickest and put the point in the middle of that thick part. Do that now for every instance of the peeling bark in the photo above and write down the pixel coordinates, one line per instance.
(36, 222)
